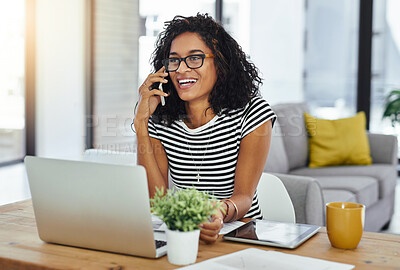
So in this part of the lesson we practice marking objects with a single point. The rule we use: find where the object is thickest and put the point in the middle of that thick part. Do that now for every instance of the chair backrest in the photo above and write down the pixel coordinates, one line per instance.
(274, 199)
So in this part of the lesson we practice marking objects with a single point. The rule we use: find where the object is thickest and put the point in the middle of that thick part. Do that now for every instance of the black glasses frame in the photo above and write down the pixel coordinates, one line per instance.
(165, 62)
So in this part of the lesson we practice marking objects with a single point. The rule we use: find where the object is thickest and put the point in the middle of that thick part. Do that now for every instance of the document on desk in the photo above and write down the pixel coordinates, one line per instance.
(228, 227)
(159, 225)
(254, 258)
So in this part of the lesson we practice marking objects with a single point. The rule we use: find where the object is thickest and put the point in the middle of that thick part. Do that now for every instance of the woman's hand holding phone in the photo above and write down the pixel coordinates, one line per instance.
(150, 98)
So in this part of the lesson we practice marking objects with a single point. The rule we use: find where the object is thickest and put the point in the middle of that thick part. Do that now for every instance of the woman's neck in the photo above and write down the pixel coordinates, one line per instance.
(198, 115)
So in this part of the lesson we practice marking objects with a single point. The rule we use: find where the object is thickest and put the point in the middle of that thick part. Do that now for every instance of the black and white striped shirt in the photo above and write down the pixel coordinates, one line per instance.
(211, 150)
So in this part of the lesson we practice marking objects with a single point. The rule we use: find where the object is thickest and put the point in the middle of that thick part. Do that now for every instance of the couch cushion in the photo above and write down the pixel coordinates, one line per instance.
(384, 173)
(336, 195)
(294, 134)
(277, 161)
(365, 188)
(338, 142)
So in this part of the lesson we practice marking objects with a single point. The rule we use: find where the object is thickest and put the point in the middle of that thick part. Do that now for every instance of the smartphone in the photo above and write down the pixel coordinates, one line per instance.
(162, 97)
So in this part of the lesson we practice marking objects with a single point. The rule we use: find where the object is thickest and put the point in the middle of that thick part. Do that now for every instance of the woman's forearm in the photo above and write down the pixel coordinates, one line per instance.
(146, 158)
(236, 207)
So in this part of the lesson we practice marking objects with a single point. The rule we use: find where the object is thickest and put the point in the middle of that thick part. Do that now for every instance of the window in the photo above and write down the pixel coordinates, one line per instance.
(330, 60)
(271, 34)
(385, 62)
(12, 80)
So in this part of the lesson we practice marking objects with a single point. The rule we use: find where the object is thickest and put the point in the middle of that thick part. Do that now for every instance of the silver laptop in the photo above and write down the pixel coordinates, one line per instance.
(92, 205)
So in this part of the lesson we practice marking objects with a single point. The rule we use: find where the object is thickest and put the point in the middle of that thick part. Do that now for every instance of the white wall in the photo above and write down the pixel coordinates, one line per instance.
(276, 47)
(60, 81)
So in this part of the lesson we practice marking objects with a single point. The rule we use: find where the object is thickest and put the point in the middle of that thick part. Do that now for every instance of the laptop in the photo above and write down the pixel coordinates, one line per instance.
(92, 205)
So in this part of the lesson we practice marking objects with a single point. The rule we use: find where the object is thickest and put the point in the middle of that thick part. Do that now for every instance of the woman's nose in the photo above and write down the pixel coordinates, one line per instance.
(183, 67)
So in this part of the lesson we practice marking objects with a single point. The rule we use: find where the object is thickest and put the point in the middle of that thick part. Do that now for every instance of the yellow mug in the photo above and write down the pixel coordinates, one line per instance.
(345, 224)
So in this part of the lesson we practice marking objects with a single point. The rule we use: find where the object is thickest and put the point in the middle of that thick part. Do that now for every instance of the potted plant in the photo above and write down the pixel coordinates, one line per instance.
(392, 107)
(182, 211)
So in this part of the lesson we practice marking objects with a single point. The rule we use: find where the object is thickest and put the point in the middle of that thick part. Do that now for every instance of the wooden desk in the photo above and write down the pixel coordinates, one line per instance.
(21, 248)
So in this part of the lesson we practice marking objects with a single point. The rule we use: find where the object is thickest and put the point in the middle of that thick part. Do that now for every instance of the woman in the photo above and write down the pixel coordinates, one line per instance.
(214, 130)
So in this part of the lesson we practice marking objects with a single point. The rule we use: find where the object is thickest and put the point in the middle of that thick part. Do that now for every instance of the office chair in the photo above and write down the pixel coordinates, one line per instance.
(274, 199)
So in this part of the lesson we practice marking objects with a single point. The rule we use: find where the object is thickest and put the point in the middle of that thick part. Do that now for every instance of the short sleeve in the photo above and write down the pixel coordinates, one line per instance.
(153, 130)
(257, 112)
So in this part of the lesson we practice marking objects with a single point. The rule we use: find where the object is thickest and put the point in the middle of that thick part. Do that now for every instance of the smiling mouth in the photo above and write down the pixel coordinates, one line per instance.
(186, 83)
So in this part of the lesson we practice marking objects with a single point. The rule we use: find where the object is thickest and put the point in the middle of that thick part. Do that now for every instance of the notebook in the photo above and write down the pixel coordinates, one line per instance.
(91, 205)
(273, 233)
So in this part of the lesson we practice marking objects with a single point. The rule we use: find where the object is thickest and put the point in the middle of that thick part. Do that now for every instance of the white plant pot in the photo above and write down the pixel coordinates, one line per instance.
(182, 246)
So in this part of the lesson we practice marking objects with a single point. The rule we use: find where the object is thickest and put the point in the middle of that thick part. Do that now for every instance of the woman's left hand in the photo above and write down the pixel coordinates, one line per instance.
(210, 230)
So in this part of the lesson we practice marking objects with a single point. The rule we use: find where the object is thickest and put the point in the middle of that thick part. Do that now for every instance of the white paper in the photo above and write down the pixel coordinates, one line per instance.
(228, 227)
(253, 258)
(159, 225)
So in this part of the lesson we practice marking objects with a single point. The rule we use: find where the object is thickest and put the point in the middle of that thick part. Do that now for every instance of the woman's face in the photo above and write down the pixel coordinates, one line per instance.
(192, 84)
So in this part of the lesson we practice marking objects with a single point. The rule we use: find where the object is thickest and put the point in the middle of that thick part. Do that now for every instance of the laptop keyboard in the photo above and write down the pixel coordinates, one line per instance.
(160, 243)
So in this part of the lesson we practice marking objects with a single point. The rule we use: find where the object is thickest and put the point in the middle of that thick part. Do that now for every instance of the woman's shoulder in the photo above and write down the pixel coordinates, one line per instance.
(254, 103)
(258, 109)
(258, 99)
(257, 102)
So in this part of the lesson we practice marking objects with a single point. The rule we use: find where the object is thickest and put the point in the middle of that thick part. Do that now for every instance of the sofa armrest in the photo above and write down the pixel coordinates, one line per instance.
(383, 148)
(306, 195)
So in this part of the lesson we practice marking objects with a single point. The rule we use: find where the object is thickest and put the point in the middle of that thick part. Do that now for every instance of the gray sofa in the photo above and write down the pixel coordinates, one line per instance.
(311, 188)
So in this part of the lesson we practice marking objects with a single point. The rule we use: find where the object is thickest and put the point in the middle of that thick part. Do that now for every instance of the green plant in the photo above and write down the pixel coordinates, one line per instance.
(392, 107)
(183, 210)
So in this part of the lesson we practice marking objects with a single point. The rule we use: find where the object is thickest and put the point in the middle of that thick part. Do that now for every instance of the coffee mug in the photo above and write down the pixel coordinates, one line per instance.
(345, 224)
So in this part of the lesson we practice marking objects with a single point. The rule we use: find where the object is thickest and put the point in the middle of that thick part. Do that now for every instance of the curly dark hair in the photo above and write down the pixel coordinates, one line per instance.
(237, 78)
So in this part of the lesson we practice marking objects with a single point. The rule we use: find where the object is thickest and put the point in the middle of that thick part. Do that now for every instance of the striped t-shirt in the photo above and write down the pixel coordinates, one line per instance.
(206, 157)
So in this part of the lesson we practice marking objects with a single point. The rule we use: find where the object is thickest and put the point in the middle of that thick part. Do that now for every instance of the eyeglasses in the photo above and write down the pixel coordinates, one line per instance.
(192, 61)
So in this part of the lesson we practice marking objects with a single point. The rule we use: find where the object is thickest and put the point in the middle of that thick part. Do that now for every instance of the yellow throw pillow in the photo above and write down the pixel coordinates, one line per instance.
(338, 142)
